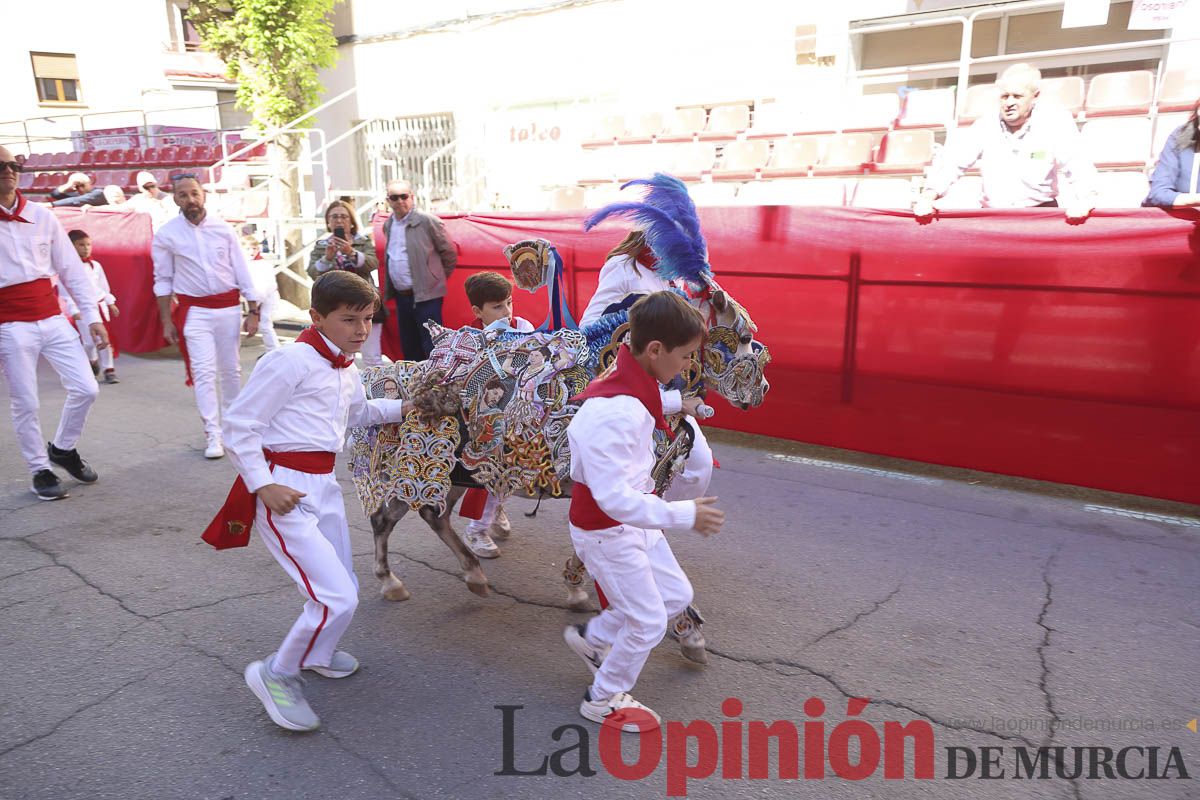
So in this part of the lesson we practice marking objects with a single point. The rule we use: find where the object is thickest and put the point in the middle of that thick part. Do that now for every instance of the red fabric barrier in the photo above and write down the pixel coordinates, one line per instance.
(121, 243)
(1006, 341)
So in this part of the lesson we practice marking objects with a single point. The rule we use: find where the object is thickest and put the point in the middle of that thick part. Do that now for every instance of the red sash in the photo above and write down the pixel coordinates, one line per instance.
(179, 318)
(28, 302)
(231, 526)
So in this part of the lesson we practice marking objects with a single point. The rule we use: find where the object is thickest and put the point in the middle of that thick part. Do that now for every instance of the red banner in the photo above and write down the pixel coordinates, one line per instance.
(121, 243)
(1006, 341)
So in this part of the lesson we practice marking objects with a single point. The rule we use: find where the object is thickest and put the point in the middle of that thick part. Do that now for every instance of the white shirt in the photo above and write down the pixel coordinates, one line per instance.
(612, 453)
(1044, 160)
(37, 249)
(160, 209)
(619, 277)
(397, 255)
(104, 295)
(295, 401)
(200, 260)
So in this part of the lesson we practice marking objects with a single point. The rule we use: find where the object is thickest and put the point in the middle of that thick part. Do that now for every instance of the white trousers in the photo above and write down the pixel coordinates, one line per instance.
(266, 324)
(645, 587)
(53, 338)
(312, 544)
(213, 337)
(372, 349)
(105, 356)
(490, 509)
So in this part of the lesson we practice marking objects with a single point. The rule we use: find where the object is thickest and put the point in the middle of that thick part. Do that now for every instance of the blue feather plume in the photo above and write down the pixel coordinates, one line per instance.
(672, 227)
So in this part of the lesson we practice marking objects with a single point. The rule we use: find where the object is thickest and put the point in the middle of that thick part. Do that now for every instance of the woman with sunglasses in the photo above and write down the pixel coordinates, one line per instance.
(347, 249)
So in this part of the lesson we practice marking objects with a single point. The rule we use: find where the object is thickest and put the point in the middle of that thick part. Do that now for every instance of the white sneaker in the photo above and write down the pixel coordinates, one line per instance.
(622, 710)
(501, 527)
(575, 637)
(214, 449)
(479, 543)
(342, 665)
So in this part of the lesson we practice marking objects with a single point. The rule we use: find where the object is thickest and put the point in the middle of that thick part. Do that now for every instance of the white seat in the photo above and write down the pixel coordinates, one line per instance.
(871, 112)
(713, 194)
(928, 108)
(567, 198)
(794, 192)
(1121, 141)
(882, 193)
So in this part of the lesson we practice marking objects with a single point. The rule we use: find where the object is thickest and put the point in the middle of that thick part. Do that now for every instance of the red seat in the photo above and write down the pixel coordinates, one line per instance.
(184, 155)
(905, 152)
(26, 181)
(150, 157)
(60, 160)
(132, 156)
(101, 158)
(87, 158)
(102, 178)
(1119, 93)
(37, 161)
(794, 157)
(163, 177)
(204, 154)
(167, 157)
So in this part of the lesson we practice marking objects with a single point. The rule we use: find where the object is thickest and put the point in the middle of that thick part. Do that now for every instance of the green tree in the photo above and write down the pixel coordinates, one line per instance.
(274, 49)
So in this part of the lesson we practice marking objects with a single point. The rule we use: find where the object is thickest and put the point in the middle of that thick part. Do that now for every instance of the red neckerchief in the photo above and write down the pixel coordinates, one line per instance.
(15, 216)
(628, 378)
(312, 338)
(646, 257)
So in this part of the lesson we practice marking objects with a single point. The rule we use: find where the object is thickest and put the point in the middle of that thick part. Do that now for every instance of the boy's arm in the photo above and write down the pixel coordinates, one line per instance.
(603, 450)
(271, 384)
(372, 412)
(109, 299)
(73, 275)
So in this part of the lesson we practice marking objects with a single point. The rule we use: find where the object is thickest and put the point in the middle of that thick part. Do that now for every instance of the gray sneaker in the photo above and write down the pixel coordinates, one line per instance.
(342, 665)
(283, 698)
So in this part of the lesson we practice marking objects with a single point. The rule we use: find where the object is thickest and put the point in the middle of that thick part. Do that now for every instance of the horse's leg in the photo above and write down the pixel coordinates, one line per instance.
(477, 582)
(382, 523)
(687, 629)
(575, 577)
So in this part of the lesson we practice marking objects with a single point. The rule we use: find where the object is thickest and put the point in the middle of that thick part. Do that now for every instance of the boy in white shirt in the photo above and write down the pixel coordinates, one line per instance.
(617, 521)
(490, 296)
(104, 359)
(282, 433)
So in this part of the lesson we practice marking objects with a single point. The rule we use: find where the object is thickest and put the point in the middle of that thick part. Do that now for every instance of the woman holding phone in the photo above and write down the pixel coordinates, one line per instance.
(347, 249)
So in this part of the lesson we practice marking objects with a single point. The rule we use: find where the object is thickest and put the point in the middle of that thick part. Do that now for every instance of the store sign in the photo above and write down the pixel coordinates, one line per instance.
(1152, 15)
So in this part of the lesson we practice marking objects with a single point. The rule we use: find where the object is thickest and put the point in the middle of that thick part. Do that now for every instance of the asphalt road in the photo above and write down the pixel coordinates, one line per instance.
(986, 608)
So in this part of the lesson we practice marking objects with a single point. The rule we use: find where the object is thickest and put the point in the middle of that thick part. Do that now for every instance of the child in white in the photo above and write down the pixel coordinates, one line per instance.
(296, 407)
(263, 275)
(617, 521)
(101, 360)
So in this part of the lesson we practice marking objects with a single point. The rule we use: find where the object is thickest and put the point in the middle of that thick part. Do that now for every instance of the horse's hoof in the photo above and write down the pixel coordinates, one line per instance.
(480, 589)
(693, 653)
(578, 600)
(395, 593)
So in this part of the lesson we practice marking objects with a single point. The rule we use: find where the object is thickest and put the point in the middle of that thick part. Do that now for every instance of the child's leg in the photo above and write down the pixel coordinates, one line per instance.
(266, 311)
(333, 526)
(490, 509)
(106, 359)
(299, 545)
(636, 619)
(673, 584)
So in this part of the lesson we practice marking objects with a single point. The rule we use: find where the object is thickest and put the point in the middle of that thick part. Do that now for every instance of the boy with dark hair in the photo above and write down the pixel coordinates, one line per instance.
(104, 359)
(490, 296)
(282, 433)
(617, 521)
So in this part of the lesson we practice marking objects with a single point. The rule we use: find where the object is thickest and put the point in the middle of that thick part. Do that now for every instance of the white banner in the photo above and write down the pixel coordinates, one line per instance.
(1152, 15)
(1085, 13)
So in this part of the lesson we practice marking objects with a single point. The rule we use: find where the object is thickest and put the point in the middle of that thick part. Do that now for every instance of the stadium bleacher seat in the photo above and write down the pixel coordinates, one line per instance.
(602, 194)
(597, 166)
(61, 161)
(1121, 189)
(567, 198)
(636, 160)
(983, 100)
(204, 155)
(44, 182)
(607, 129)
(964, 193)
(87, 159)
(1120, 93)
(693, 159)
(133, 156)
(882, 193)
(1180, 90)
(163, 176)
(846, 154)
(644, 127)
(871, 112)
(713, 194)
(683, 125)
(726, 122)
(904, 151)
(25, 183)
(927, 108)
(796, 192)
(184, 155)
(167, 156)
(1066, 92)
(1123, 142)
(741, 161)
(37, 161)
(795, 156)
(772, 120)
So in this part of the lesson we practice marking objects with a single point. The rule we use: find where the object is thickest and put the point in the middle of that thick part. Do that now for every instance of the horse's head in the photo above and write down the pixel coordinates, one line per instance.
(733, 361)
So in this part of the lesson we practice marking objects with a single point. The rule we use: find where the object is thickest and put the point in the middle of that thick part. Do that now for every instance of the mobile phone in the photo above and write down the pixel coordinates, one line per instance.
(340, 233)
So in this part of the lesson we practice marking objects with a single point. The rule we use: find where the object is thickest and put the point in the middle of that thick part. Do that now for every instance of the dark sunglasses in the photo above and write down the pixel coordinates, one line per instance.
(395, 197)
(185, 175)
(15, 166)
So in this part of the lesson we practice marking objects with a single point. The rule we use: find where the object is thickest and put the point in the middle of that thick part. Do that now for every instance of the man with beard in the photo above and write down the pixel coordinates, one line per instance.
(199, 261)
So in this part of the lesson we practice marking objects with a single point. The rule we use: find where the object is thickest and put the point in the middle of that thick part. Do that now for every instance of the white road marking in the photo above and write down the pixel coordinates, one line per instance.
(882, 473)
(1187, 522)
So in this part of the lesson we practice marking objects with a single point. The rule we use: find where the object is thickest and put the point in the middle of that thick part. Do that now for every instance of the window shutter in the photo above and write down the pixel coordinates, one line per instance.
(54, 65)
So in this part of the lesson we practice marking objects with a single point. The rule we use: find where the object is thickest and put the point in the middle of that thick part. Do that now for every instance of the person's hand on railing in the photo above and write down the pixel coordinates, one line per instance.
(1078, 211)
(922, 207)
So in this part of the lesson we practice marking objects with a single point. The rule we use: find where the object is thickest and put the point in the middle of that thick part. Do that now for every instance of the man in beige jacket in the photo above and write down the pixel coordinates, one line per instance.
(416, 267)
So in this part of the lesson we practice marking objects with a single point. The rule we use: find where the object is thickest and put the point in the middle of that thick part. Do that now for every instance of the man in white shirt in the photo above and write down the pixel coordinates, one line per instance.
(149, 200)
(199, 261)
(1031, 157)
(33, 249)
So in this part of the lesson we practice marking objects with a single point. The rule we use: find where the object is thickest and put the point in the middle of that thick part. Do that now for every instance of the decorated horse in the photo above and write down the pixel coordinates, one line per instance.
(492, 406)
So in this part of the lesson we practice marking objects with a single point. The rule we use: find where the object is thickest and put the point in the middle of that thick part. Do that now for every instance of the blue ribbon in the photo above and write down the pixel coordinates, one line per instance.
(560, 315)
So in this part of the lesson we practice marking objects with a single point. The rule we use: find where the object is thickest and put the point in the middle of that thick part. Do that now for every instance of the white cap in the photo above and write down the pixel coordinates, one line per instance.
(145, 177)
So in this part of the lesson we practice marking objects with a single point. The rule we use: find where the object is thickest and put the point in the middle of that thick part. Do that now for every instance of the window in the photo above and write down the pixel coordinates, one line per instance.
(57, 78)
